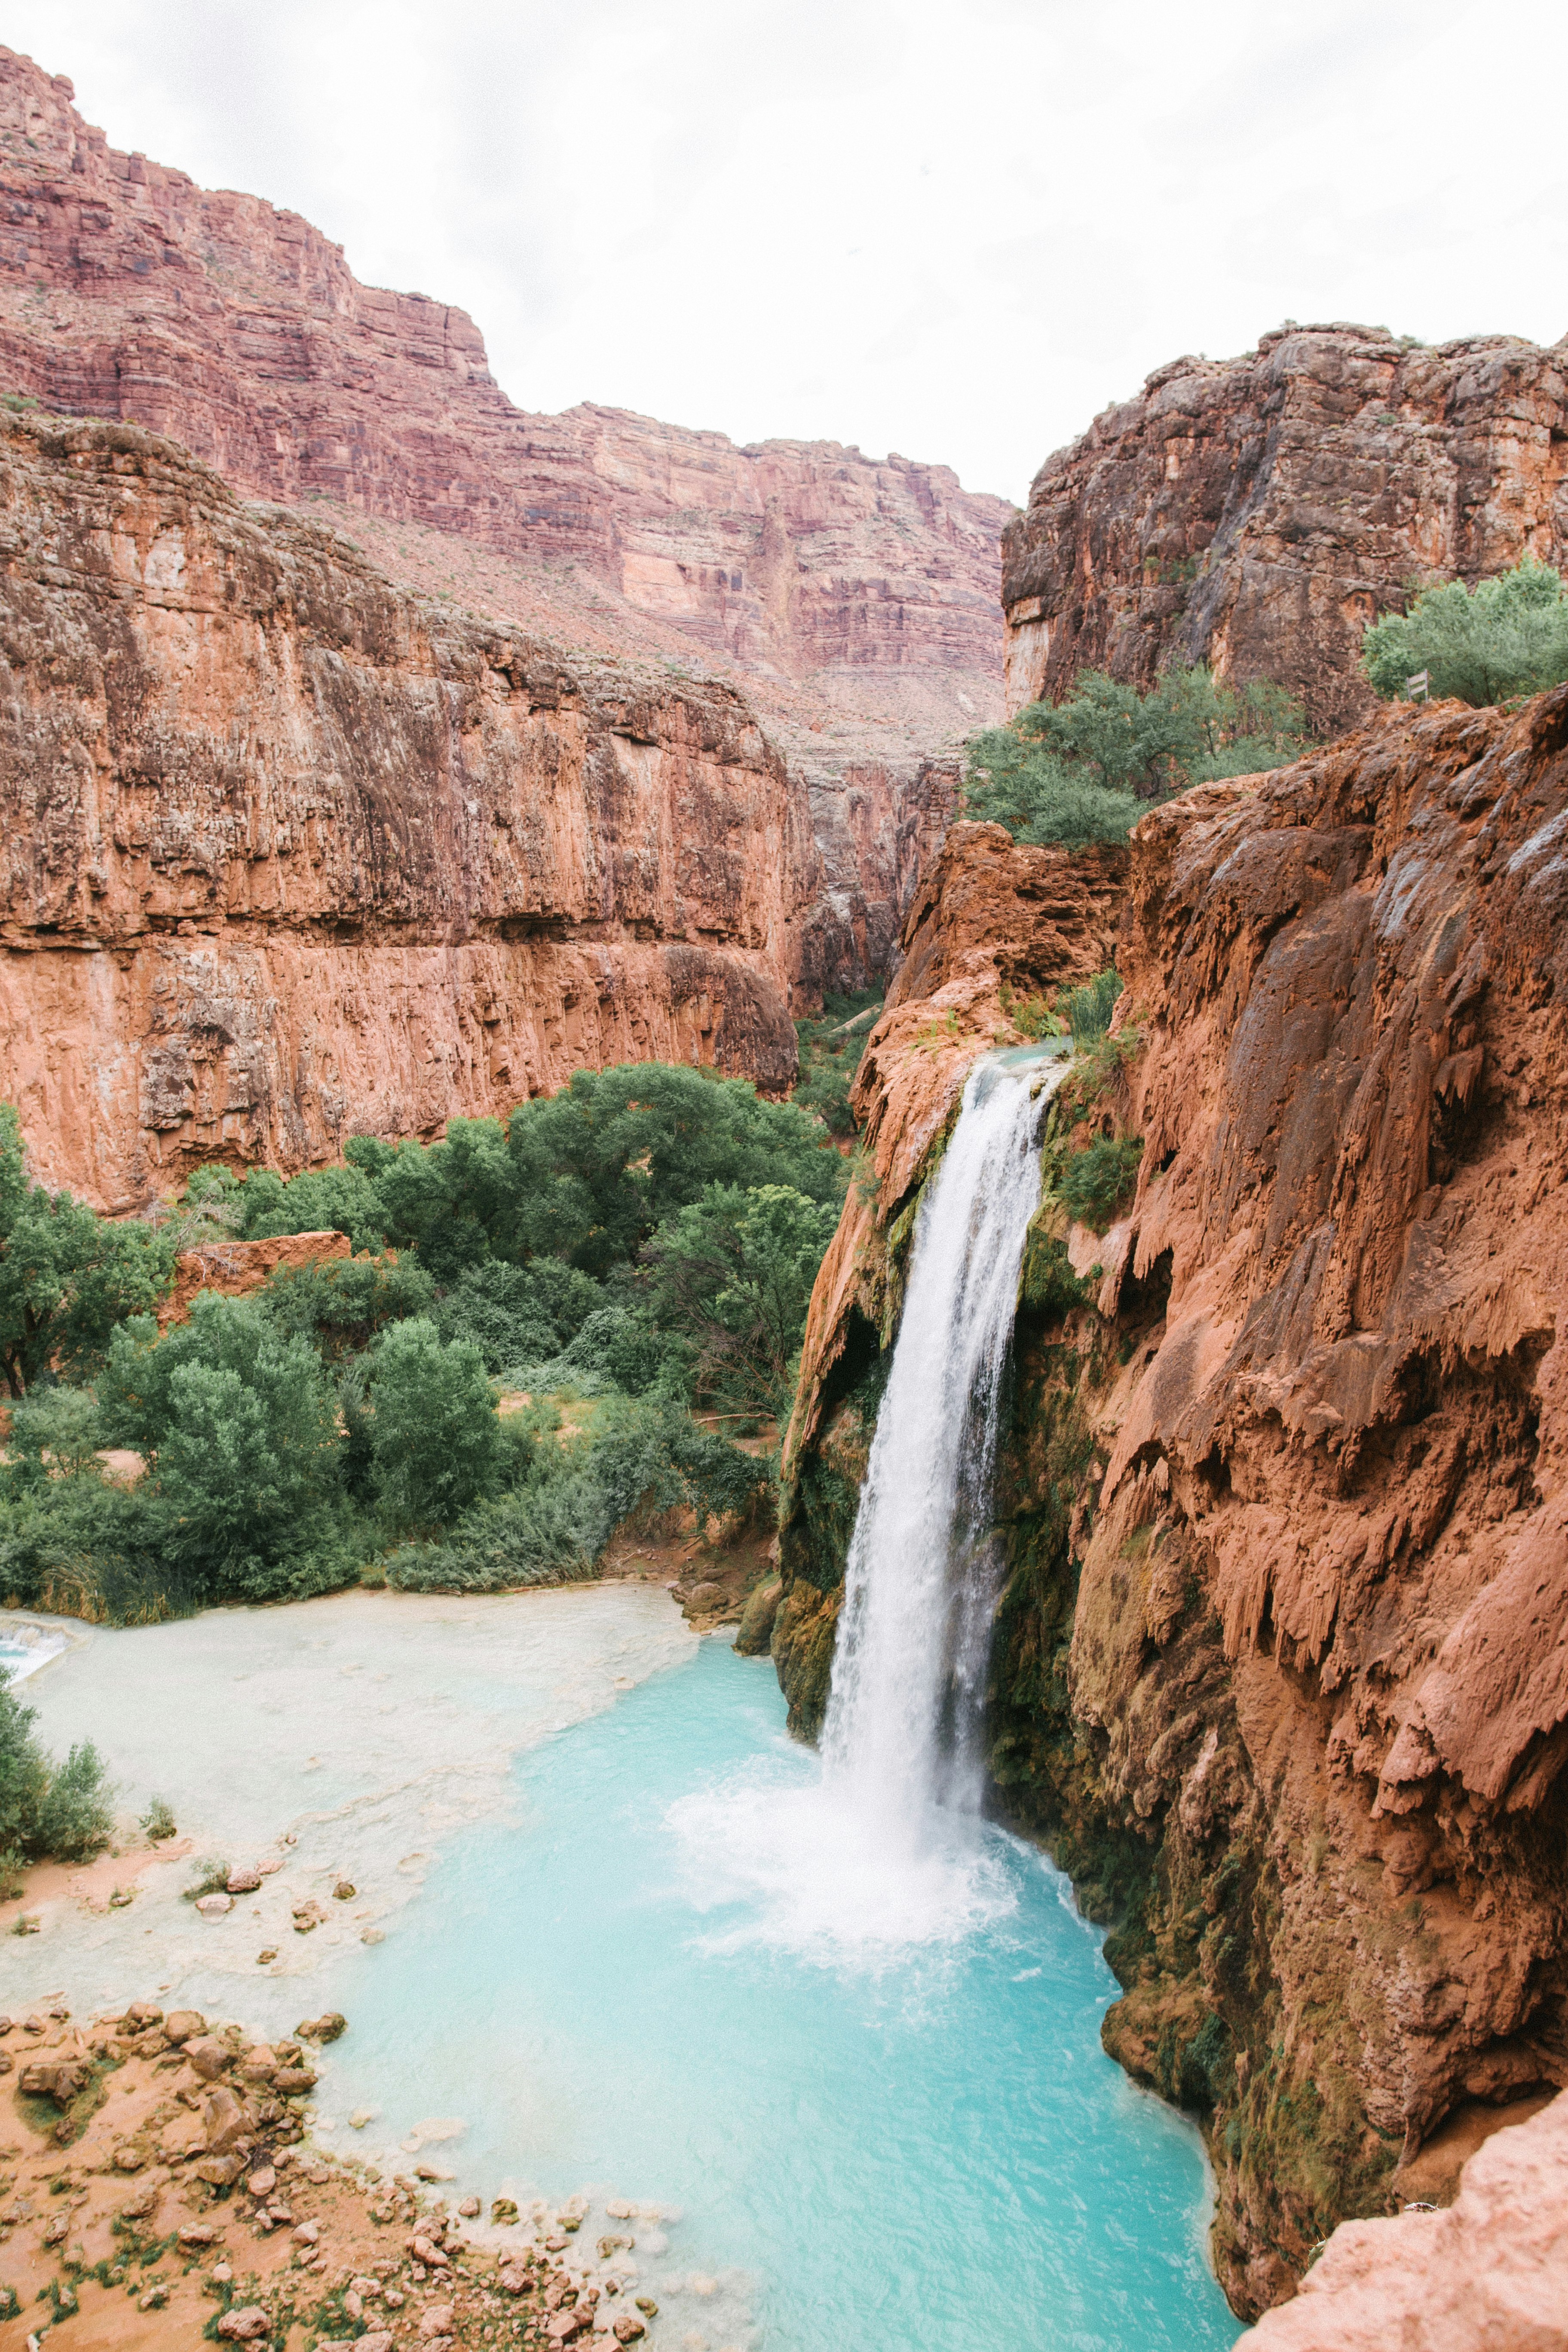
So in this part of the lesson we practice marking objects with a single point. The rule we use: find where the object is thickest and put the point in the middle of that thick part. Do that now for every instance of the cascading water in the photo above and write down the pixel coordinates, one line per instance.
(903, 1733)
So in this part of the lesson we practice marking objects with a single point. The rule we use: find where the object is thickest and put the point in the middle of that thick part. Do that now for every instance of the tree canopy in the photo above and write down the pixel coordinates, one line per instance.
(1503, 637)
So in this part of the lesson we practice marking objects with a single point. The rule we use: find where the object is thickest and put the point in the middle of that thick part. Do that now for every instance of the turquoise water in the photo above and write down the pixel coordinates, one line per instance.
(875, 2090)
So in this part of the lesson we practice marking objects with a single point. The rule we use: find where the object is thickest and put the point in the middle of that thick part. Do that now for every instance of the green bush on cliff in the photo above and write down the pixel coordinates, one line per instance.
(1086, 769)
(1096, 1183)
(1505, 637)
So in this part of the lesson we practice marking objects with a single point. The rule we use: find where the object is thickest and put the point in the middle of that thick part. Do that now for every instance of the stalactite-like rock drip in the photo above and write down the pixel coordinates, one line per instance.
(1279, 1672)
(290, 853)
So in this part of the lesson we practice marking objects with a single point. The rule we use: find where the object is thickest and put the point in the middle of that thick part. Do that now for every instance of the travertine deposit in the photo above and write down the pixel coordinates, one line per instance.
(290, 853)
(855, 599)
(1257, 513)
(1279, 1667)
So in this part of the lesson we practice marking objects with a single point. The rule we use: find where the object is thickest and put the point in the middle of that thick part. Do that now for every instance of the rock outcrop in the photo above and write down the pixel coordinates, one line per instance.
(1257, 513)
(1492, 2270)
(1278, 1668)
(855, 599)
(235, 1268)
(290, 853)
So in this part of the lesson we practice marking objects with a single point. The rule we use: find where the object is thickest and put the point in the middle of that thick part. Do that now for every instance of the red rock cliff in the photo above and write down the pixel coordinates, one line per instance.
(854, 598)
(289, 852)
(1280, 1670)
(1257, 513)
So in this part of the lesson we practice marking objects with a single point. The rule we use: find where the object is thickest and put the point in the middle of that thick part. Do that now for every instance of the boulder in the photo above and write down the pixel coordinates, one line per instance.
(218, 2171)
(184, 2024)
(209, 2056)
(244, 2325)
(58, 2079)
(244, 1881)
(326, 2028)
(291, 2079)
(224, 2121)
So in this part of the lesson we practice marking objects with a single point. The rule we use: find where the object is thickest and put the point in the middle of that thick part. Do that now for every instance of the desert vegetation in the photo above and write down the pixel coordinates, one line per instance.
(625, 1265)
(1504, 637)
(1086, 769)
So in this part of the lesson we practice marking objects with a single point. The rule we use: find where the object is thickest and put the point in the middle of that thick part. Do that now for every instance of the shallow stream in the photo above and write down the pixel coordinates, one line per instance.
(624, 1945)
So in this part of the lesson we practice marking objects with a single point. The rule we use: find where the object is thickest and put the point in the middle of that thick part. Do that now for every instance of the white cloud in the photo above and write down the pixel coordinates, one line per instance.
(953, 231)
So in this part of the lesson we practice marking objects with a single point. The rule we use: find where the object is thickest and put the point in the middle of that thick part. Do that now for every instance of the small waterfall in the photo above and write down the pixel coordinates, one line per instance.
(904, 1719)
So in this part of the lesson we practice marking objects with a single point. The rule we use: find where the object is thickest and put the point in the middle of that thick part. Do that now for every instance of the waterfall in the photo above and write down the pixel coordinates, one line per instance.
(904, 1725)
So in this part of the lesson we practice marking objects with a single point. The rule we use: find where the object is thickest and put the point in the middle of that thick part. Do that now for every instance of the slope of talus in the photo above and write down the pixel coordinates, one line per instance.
(1257, 513)
(290, 853)
(854, 599)
(1278, 1673)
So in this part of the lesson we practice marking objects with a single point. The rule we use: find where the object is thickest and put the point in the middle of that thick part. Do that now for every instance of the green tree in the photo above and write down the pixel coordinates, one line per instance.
(239, 1425)
(48, 1810)
(1503, 637)
(734, 1271)
(436, 1443)
(340, 1303)
(67, 1275)
(1086, 769)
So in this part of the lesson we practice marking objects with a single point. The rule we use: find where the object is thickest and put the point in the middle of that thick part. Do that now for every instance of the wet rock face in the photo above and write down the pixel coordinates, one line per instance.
(1277, 1670)
(290, 853)
(1257, 513)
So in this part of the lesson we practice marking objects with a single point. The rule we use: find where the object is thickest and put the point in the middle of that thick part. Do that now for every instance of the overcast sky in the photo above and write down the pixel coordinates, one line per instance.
(955, 228)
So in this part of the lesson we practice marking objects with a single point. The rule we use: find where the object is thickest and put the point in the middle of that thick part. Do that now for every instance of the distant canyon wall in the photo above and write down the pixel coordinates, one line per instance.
(1257, 513)
(288, 854)
(854, 598)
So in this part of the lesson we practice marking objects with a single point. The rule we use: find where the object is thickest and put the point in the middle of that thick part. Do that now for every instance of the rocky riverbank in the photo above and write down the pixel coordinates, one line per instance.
(158, 2180)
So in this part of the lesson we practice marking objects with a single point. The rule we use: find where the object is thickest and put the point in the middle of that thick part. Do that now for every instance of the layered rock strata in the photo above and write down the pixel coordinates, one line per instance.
(1278, 1669)
(1257, 513)
(854, 598)
(290, 853)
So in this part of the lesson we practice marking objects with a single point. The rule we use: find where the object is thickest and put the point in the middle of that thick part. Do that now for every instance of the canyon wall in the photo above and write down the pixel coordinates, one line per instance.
(854, 599)
(1278, 1669)
(290, 853)
(1257, 513)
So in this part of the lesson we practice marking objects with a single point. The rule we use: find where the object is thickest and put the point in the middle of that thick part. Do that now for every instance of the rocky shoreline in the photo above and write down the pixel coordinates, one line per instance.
(157, 2178)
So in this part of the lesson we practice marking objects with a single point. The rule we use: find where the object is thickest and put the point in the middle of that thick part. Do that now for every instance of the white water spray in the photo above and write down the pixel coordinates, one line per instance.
(904, 1721)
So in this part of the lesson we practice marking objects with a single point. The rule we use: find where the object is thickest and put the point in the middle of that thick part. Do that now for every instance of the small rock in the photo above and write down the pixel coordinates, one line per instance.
(219, 2171)
(628, 2329)
(243, 2325)
(646, 2305)
(154, 2299)
(141, 2013)
(614, 2245)
(513, 2281)
(618, 2209)
(212, 1906)
(437, 2319)
(360, 2117)
(307, 2234)
(345, 1891)
(555, 2245)
(329, 2027)
(470, 2208)
(184, 2024)
(222, 2274)
(291, 2080)
(197, 2233)
(60, 2081)
(262, 2181)
(243, 1882)
(209, 2056)
(353, 2302)
(503, 2210)
(378, 2340)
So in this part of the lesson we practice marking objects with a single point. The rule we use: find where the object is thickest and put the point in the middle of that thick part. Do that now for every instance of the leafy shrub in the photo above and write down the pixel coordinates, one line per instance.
(1085, 770)
(157, 1823)
(733, 1272)
(238, 1427)
(1088, 1010)
(831, 1047)
(435, 1442)
(48, 1810)
(1505, 637)
(340, 1304)
(518, 1314)
(67, 1275)
(1096, 1181)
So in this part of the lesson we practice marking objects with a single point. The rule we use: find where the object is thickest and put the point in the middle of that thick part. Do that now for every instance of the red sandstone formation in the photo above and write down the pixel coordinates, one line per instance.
(1257, 513)
(237, 1268)
(855, 598)
(1279, 1673)
(1491, 2271)
(290, 854)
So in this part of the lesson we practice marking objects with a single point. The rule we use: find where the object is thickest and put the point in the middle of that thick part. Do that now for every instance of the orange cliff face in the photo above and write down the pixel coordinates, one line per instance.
(1279, 1671)
(1257, 513)
(290, 853)
(853, 599)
